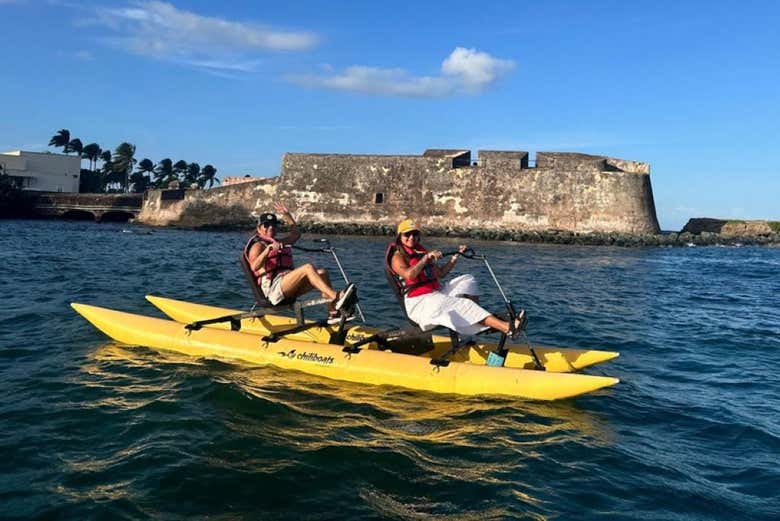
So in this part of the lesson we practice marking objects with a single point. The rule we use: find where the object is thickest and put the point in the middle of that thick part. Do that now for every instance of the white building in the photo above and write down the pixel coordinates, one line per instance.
(42, 171)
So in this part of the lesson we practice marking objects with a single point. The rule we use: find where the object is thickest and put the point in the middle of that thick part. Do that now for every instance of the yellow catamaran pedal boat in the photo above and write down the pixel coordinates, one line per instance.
(309, 352)
(554, 359)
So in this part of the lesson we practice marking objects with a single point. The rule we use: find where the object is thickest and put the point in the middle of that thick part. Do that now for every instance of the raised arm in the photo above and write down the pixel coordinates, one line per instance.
(294, 234)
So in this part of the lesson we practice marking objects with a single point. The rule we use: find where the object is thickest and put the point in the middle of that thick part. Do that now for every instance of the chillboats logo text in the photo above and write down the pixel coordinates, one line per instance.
(308, 357)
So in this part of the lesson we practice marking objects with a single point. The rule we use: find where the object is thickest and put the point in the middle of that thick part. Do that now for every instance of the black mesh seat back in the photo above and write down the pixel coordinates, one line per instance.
(260, 298)
(394, 282)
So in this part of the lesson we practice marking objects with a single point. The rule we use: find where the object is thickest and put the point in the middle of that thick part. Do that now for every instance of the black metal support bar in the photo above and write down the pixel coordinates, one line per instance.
(235, 320)
(457, 344)
(275, 337)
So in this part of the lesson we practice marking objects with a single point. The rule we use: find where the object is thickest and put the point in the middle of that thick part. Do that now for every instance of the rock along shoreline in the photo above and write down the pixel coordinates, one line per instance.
(672, 239)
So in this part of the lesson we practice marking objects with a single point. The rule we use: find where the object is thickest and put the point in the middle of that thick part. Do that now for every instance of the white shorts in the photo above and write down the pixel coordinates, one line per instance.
(272, 289)
(446, 307)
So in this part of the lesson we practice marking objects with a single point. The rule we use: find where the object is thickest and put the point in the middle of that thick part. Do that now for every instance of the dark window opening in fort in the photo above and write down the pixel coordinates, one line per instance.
(78, 215)
(172, 195)
(379, 198)
(116, 216)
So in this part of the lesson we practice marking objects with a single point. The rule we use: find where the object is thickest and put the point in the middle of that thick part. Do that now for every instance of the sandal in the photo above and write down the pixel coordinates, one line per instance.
(519, 324)
(345, 297)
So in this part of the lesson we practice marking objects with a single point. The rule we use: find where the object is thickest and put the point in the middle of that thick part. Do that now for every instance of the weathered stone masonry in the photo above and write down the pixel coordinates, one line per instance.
(442, 189)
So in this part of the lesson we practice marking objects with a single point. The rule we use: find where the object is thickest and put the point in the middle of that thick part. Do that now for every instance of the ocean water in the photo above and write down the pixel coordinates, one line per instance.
(90, 429)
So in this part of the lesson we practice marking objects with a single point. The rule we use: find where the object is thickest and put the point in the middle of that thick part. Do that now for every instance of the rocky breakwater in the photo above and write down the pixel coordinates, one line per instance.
(721, 231)
(672, 239)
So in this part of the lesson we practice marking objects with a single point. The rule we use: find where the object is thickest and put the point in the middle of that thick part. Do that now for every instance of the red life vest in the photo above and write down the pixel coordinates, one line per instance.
(277, 261)
(426, 282)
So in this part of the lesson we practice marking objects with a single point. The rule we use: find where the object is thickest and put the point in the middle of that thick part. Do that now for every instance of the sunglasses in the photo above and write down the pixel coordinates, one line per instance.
(269, 225)
(413, 233)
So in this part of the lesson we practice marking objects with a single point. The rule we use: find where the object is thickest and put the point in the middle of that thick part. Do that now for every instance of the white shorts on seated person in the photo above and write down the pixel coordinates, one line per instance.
(272, 289)
(446, 307)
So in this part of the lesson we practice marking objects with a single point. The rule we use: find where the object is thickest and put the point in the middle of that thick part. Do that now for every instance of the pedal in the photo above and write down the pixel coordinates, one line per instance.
(440, 362)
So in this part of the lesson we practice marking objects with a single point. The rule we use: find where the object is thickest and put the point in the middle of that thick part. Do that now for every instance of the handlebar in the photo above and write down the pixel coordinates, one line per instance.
(326, 249)
(468, 253)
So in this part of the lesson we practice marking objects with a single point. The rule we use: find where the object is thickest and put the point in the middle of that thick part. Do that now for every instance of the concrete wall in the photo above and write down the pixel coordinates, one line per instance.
(42, 171)
(573, 192)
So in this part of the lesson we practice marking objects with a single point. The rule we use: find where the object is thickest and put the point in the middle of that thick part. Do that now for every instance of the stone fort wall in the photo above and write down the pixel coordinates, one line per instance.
(441, 188)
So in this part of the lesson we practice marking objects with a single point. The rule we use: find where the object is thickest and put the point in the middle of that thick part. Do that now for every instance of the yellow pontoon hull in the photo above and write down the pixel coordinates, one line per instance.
(554, 359)
(369, 366)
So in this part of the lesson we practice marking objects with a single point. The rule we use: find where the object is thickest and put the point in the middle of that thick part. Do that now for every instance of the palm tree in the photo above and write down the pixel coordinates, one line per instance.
(123, 161)
(141, 177)
(163, 173)
(107, 171)
(146, 166)
(75, 146)
(180, 169)
(61, 140)
(139, 181)
(208, 176)
(92, 153)
(192, 175)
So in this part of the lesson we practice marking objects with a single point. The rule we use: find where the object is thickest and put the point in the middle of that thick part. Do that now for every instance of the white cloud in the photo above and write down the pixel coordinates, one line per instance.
(162, 31)
(463, 71)
(475, 69)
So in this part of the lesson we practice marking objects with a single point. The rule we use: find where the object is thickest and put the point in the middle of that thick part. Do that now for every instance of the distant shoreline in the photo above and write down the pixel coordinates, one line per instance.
(627, 240)
(669, 239)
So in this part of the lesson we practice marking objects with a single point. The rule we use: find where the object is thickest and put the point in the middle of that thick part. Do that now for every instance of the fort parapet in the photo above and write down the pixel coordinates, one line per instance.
(442, 189)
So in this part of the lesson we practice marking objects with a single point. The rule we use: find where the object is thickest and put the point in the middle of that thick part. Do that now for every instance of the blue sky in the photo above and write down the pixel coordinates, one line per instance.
(693, 88)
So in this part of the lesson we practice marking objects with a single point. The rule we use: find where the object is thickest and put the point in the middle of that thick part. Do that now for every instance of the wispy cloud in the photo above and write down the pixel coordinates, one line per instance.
(162, 31)
(83, 56)
(464, 71)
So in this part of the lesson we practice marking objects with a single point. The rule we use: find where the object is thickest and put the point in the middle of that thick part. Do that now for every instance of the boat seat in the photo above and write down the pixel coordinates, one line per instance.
(265, 306)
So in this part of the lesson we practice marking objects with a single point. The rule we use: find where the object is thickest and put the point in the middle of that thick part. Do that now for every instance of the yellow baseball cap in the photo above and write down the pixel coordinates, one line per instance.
(407, 225)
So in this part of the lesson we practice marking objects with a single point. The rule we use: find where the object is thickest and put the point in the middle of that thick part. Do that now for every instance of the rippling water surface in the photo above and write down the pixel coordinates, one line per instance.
(93, 429)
